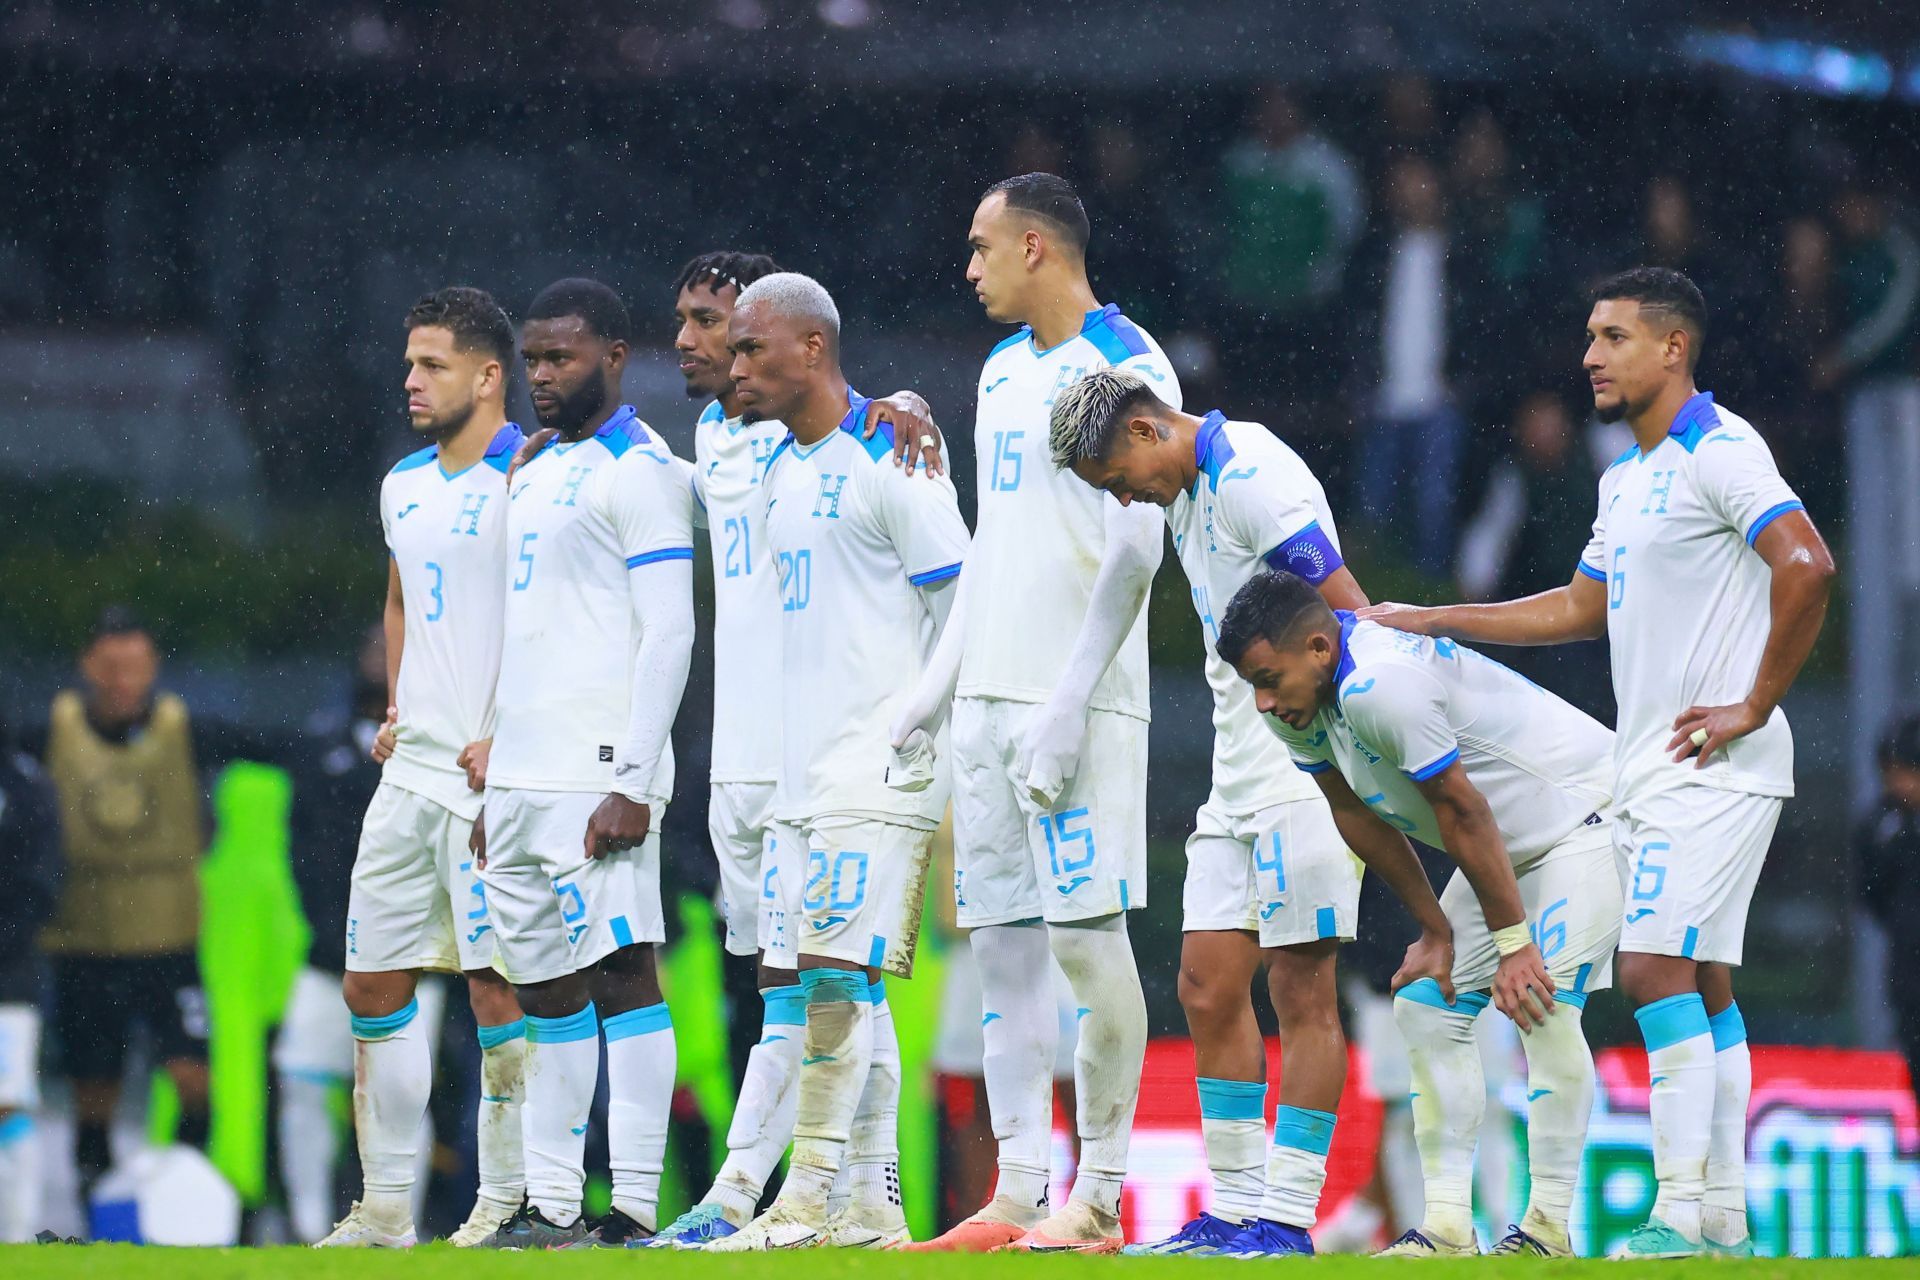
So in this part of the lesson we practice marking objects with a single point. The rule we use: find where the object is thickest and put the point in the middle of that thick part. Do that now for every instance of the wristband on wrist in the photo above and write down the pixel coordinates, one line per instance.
(1515, 937)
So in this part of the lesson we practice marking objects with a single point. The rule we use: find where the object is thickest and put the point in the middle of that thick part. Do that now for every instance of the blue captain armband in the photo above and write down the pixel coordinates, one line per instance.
(1309, 553)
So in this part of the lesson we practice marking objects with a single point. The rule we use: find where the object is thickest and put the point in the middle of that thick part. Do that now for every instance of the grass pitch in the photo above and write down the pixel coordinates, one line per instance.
(440, 1262)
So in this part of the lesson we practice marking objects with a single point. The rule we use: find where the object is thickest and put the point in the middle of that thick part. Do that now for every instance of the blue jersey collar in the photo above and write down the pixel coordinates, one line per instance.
(1696, 413)
(621, 419)
(1210, 448)
(856, 410)
(1093, 318)
(1345, 668)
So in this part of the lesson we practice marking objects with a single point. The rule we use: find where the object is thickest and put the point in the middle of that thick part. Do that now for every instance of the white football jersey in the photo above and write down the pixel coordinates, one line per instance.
(1039, 534)
(580, 518)
(447, 535)
(1688, 598)
(1253, 505)
(853, 538)
(1408, 707)
(730, 461)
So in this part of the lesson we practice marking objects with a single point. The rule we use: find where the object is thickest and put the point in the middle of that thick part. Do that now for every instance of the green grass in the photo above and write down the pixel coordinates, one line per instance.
(439, 1262)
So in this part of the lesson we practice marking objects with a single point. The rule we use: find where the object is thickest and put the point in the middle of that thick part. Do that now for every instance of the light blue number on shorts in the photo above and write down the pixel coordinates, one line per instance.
(526, 561)
(1271, 861)
(1058, 832)
(1378, 803)
(1550, 938)
(573, 907)
(1645, 890)
(826, 892)
(439, 601)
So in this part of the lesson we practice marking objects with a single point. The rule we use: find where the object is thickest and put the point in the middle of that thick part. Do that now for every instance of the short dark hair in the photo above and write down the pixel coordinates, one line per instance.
(1050, 198)
(115, 620)
(476, 321)
(590, 300)
(1273, 605)
(1660, 289)
(724, 267)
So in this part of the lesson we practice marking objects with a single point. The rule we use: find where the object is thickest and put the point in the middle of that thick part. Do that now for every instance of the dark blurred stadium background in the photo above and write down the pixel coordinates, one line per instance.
(215, 214)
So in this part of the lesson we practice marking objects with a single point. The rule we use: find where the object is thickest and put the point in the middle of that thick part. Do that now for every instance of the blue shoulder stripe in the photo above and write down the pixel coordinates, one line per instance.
(1115, 338)
(418, 458)
(880, 444)
(786, 444)
(1018, 337)
(1632, 450)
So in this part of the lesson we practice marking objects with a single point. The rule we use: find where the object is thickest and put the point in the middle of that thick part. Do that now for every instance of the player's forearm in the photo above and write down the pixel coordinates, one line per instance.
(926, 706)
(1802, 586)
(1389, 856)
(1119, 592)
(1551, 617)
(663, 609)
(1473, 841)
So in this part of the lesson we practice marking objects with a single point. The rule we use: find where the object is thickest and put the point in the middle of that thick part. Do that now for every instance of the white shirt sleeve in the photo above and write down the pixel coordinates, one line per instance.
(922, 519)
(1593, 561)
(1283, 528)
(649, 504)
(386, 519)
(1738, 481)
(697, 486)
(1401, 713)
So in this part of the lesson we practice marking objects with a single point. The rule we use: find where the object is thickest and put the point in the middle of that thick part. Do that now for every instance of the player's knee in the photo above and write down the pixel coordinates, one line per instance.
(1424, 1019)
(1210, 1000)
(1645, 978)
(1300, 982)
(491, 997)
(376, 995)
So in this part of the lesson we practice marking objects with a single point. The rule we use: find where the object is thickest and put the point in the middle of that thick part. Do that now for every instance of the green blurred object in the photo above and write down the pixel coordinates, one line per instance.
(253, 940)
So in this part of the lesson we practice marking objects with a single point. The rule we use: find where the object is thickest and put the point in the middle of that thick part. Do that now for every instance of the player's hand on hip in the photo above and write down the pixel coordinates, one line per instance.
(1700, 731)
(618, 824)
(1523, 989)
(1048, 754)
(915, 437)
(388, 738)
(1401, 617)
(528, 448)
(473, 758)
(1430, 956)
(477, 841)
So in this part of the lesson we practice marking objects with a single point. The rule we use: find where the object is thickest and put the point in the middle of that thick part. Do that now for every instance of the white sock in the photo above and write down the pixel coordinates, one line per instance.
(1559, 1104)
(1297, 1165)
(503, 1088)
(1097, 958)
(1449, 1101)
(1723, 1217)
(563, 1066)
(1681, 1071)
(833, 1075)
(309, 1148)
(20, 1179)
(1020, 1029)
(873, 1152)
(393, 1073)
(641, 1057)
(762, 1125)
(1233, 1128)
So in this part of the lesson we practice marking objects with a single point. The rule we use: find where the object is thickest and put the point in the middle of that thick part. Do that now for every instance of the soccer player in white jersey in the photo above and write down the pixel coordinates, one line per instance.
(758, 910)
(1710, 583)
(1268, 878)
(1048, 657)
(1412, 736)
(599, 633)
(866, 557)
(415, 903)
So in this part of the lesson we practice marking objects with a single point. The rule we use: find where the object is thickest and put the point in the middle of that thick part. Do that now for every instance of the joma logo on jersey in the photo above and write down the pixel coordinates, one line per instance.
(827, 505)
(470, 508)
(570, 487)
(1661, 487)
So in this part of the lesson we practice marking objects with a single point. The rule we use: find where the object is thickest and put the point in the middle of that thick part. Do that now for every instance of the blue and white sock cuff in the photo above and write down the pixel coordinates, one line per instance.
(385, 1026)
